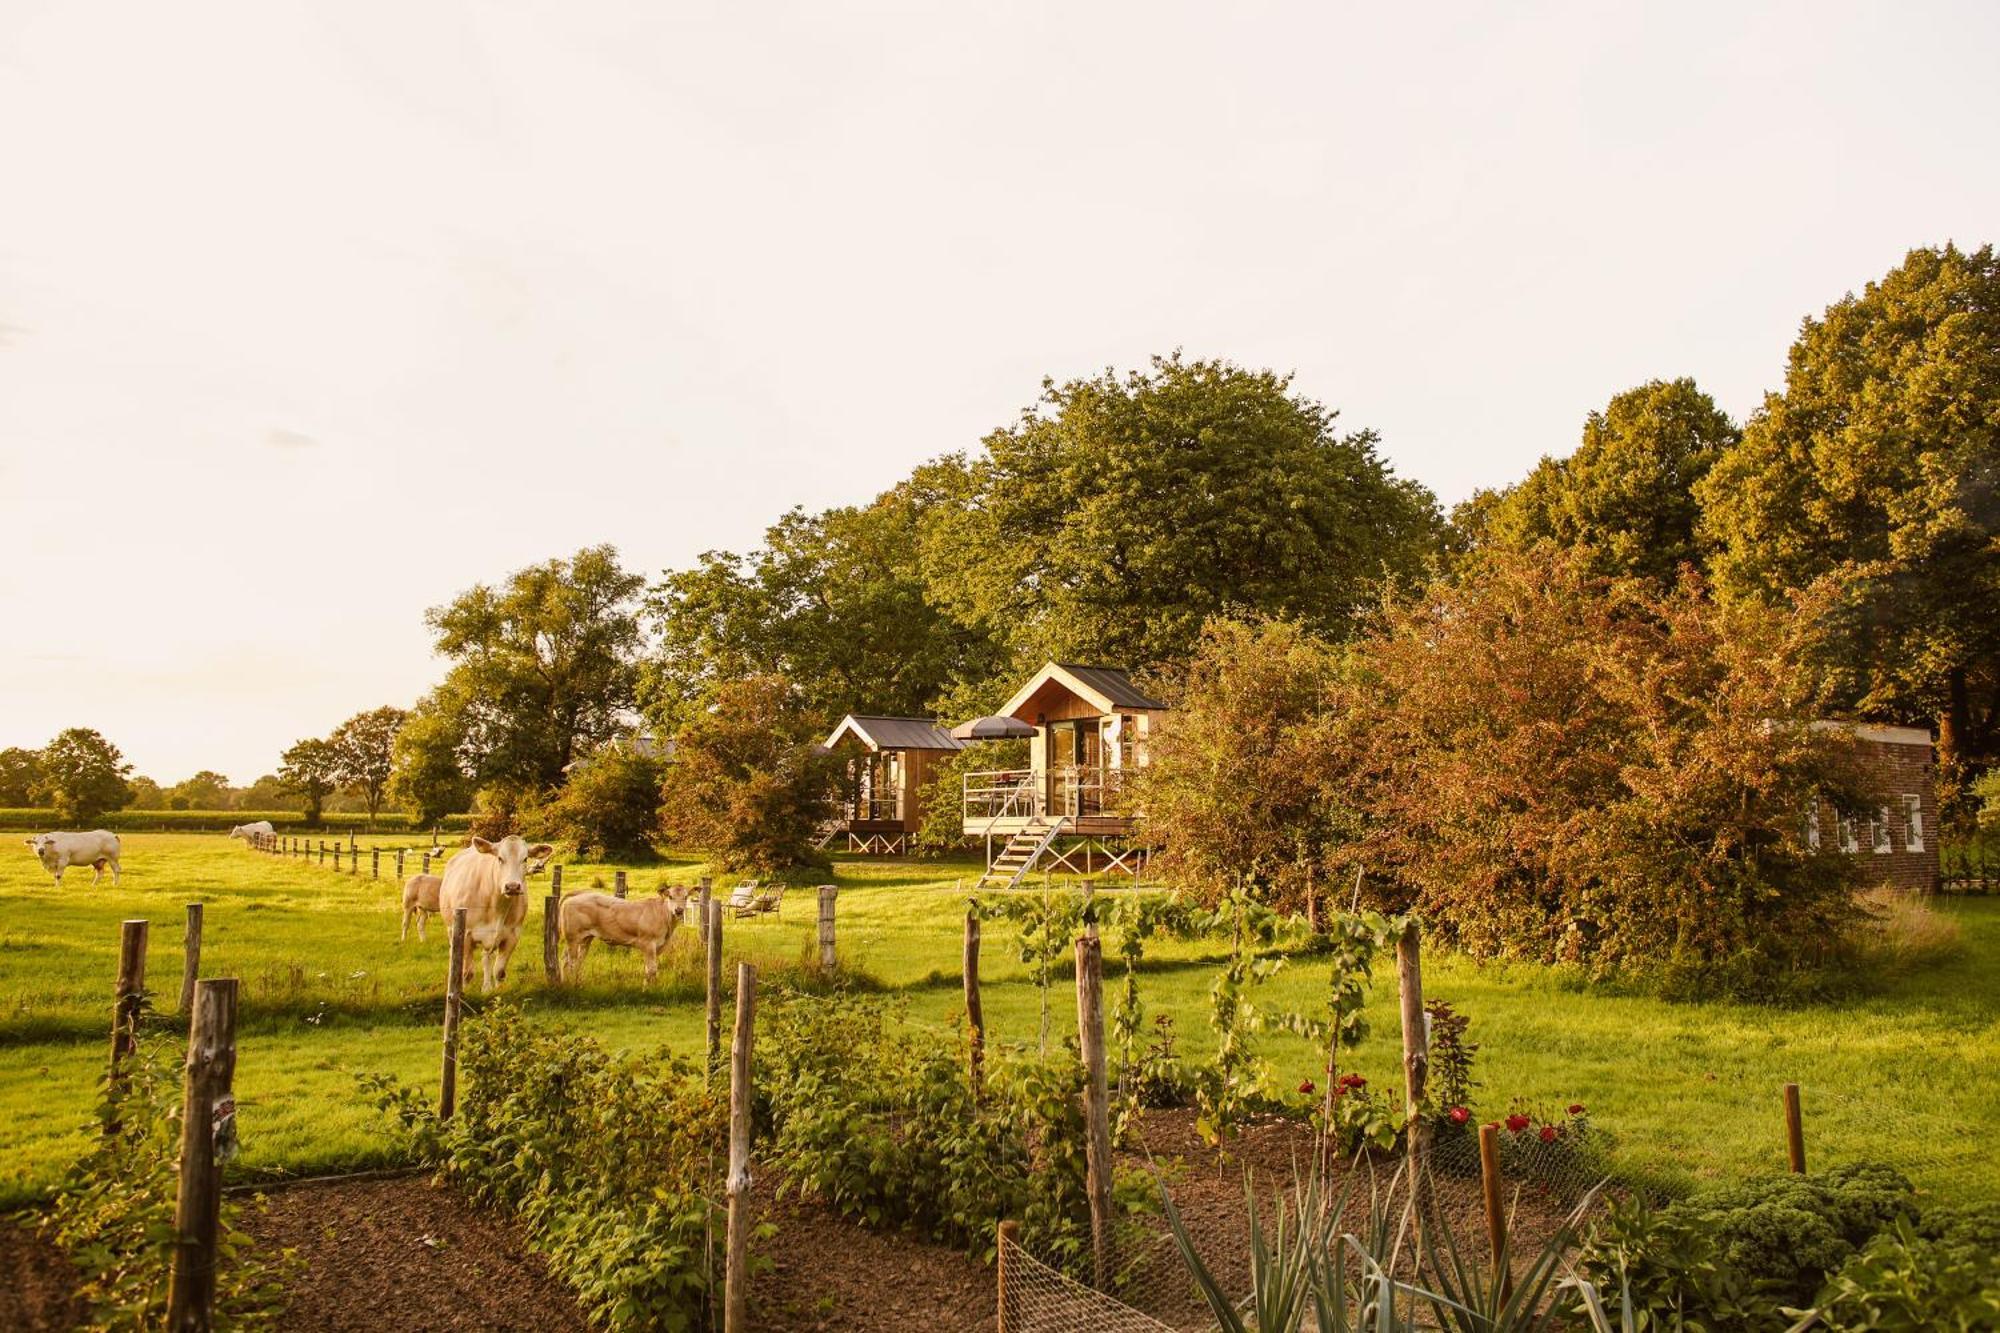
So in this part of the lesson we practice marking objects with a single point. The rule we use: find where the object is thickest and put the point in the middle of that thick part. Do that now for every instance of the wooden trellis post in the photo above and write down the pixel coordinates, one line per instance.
(1096, 1102)
(736, 1263)
(827, 893)
(975, 1016)
(208, 1137)
(1496, 1212)
(190, 957)
(454, 993)
(1795, 1130)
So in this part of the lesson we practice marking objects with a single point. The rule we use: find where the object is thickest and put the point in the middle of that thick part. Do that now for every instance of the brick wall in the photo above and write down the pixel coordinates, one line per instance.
(1898, 764)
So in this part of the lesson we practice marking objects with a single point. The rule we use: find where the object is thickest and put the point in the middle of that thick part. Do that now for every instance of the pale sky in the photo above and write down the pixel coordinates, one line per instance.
(313, 315)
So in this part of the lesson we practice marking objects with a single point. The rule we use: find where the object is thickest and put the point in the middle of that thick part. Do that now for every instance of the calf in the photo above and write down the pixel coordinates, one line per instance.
(420, 901)
(59, 851)
(645, 924)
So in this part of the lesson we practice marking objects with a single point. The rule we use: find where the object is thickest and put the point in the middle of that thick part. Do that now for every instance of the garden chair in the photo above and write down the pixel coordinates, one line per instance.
(768, 901)
(741, 897)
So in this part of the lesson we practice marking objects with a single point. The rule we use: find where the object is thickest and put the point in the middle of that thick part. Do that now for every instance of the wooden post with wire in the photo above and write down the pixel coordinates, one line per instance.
(128, 997)
(827, 958)
(1008, 1237)
(454, 999)
(208, 1138)
(190, 957)
(1795, 1129)
(975, 1015)
(714, 1047)
(1416, 1067)
(1096, 1102)
(1496, 1212)
(736, 1259)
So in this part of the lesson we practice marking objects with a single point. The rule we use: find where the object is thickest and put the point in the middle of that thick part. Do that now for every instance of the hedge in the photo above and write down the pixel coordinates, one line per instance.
(221, 821)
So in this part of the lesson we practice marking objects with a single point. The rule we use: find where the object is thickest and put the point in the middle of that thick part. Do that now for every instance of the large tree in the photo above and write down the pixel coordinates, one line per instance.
(1878, 470)
(749, 782)
(428, 774)
(544, 667)
(83, 776)
(1625, 498)
(20, 774)
(366, 744)
(834, 601)
(206, 790)
(1121, 512)
(310, 770)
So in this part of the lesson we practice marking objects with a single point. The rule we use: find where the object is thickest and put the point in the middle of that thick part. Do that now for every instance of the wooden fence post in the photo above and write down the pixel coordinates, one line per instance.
(1096, 1102)
(322, 851)
(975, 1016)
(1008, 1236)
(1416, 1065)
(827, 893)
(399, 865)
(714, 1047)
(375, 863)
(618, 884)
(552, 929)
(127, 999)
(1496, 1213)
(736, 1263)
(454, 992)
(701, 912)
(208, 1137)
(190, 957)
(1795, 1129)
(427, 863)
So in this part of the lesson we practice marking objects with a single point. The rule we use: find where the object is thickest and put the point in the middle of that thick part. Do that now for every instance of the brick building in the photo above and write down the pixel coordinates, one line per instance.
(1896, 843)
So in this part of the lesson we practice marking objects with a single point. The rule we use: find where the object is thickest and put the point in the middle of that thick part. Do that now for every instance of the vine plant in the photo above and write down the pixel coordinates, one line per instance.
(1239, 1075)
(1347, 1116)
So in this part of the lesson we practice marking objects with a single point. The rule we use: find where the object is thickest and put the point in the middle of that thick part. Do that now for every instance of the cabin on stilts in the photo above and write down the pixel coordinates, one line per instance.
(1087, 727)
(880, 806)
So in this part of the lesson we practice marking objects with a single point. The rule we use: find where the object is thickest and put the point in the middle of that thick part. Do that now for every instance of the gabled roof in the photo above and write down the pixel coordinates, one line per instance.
(1107, 689)
(894, 733)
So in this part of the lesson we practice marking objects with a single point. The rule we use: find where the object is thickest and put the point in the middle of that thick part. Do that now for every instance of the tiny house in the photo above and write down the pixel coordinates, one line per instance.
(888, 761)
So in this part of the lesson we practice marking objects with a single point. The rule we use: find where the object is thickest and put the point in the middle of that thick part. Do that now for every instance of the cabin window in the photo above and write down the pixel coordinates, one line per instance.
(1882, 831)
(1913, 823)
(1848, 842)
(1812, 827)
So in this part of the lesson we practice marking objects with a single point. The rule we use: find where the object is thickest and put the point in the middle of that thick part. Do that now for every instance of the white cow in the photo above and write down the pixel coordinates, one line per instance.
(59, 851)
(420, 901)
(489, 880)
(254, 833)
(645, 924)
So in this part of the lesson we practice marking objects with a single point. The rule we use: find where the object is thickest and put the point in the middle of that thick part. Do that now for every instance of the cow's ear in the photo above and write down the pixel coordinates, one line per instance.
(480, 844)
(541, 851)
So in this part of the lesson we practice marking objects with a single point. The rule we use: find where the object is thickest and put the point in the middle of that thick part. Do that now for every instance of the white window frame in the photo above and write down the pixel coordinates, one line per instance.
(1913, 823)
(1884, 844)
(1849, 843)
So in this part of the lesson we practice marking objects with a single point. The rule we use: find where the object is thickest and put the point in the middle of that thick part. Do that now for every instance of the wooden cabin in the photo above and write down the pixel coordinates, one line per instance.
(889, 759)
(1091, 726)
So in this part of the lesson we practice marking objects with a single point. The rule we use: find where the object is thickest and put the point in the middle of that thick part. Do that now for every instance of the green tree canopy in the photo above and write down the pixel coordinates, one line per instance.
(428, 777)
(266, 793)
(611, 804)
(835, 602)
(83, 776)
(20, 775)
(544, 667)
(1120, 513)
(310, 770)
(1878, 470)
(1625, 498)
(365, 744)
(749, 782)
(206, 790)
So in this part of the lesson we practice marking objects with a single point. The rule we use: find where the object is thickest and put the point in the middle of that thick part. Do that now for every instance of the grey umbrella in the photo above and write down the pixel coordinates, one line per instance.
(992, 729)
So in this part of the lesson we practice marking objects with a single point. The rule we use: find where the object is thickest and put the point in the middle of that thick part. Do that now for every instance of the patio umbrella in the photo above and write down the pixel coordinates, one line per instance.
(992, 729)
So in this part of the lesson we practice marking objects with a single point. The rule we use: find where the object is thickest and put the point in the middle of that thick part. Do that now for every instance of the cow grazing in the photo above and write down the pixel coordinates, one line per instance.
(420, 901)
(645, 924)
(254, 832)
(489, 881)
(59, 851)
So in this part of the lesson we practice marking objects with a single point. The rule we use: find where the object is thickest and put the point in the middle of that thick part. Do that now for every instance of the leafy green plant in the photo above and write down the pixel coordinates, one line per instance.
(1348, 1116)
(113, 1213)
(612, 1162)
(1237, 1078)
(1047, 925)
(1153, 1073)
(1905, 1280)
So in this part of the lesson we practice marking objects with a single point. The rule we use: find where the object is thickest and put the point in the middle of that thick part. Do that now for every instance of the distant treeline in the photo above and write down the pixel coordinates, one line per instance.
(27, 818)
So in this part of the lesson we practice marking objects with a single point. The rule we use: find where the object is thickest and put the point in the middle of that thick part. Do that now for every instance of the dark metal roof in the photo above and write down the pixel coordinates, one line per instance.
(897, 733)
(1114, 684)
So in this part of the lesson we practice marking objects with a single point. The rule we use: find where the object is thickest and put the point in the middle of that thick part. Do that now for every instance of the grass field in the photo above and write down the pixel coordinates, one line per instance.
(1910, 1074)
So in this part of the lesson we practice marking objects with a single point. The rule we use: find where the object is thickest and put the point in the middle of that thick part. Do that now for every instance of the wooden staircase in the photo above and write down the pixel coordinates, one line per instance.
(1021, 854)
(828, 831)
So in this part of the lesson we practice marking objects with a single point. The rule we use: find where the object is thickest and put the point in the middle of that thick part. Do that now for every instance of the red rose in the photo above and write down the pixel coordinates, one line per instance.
(1353, 1081)
(1306, 1086)
(1460, 1114)
(1516, 1123)
(1549, 1133)
(1576, 1108)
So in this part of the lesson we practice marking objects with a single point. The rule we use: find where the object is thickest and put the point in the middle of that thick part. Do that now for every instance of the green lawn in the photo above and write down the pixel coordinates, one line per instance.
(1910, 1074)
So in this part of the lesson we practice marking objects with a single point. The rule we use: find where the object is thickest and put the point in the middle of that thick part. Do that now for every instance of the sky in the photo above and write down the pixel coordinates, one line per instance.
(313, 315)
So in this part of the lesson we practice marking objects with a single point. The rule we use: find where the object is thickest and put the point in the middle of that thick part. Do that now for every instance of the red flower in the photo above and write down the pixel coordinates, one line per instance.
(1549, 1133)
(1576, 1108)
(1353, 1081)
(1516, 1123)
(1460, 1114)
(1306, 1086)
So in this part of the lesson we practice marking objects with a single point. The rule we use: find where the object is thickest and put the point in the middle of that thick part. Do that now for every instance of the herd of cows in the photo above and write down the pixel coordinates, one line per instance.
(486, 879)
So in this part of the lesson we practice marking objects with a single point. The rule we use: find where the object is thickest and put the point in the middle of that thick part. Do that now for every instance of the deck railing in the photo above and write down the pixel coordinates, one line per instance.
(1063, 792)
(877, 808)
